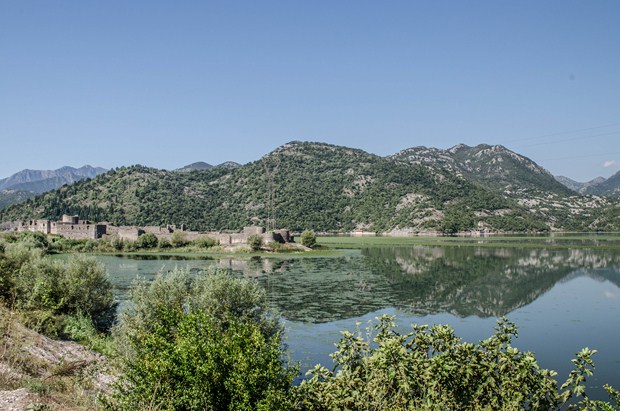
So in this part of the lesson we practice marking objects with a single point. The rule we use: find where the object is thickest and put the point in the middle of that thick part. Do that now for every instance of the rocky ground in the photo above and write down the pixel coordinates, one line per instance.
(38, 373)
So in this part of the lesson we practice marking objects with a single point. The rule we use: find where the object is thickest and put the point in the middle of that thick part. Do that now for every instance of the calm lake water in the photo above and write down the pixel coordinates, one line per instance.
(561, 299)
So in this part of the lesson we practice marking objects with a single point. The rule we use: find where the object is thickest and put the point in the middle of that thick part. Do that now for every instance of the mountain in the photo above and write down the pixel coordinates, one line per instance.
(609, 187)
(229, 164)
(39, 181)
(581, 188)
(490, 166)
(516, 177)
(27, 183)
(201, 165)
(298, 185)
(332, 188)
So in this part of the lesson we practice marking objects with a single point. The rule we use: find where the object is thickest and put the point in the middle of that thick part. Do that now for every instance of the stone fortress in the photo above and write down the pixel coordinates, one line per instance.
(74, 228)
(68, 226)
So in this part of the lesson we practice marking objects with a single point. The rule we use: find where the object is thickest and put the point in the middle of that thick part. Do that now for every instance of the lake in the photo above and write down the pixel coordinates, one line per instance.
(562, 299)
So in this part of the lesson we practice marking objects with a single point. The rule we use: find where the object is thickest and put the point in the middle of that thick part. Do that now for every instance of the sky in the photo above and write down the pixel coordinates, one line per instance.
(165, 84)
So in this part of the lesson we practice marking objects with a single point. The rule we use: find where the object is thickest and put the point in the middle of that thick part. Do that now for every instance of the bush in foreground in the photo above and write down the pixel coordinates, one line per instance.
(201, 343)
(432, 369)
(46, 290)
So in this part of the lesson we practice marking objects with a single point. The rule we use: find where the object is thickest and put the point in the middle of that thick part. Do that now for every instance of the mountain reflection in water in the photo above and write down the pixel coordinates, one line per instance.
(423, 280)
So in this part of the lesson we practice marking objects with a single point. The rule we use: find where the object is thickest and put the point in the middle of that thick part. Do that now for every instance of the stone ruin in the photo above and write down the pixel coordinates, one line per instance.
(70, 226)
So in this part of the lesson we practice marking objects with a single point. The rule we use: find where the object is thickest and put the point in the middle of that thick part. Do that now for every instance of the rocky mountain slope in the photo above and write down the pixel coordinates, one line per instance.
(598, 186)
(39, 181)
(491, 166)
(609, 187)
(28, 183)
(581, 188)
(330, 188)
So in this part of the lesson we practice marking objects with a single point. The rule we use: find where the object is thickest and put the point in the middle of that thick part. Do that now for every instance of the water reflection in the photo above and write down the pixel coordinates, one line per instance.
(463, 281)
(421, 280)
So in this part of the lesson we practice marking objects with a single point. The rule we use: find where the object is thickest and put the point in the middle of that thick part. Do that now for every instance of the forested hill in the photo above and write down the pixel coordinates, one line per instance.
(299, 185)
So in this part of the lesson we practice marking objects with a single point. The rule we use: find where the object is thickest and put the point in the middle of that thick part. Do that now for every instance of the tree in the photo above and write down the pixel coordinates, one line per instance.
(308, 238)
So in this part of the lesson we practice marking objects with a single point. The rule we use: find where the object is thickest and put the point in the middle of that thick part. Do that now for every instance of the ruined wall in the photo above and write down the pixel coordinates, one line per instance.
(70, 219)
(83, 231)
(129, 233)
(248, 231)
(40, 226)
(72, 227)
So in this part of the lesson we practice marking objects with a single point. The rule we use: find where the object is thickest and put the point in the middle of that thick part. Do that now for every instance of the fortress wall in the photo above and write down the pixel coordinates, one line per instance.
(87, 230)
(157, 230)
(78, 231)
(10, 226)
(129, 233)
(40, 226)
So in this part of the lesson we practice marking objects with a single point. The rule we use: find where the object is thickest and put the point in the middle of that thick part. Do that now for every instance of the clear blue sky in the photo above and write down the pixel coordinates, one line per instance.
(164, 83)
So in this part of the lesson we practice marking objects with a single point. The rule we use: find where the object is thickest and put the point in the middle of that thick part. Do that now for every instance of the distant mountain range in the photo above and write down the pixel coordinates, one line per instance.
(331, 188)
(28, 183)
(599, 186)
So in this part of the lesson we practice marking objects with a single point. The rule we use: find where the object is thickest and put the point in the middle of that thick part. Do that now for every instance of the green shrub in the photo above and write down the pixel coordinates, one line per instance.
(79, 327)
(147, 240)
(255, 241)
(89, 246)
(117, 243)
(34, 239)
(205, 242)
(308, 238)
(44, 288)
(164, 243)
(203, 343)
(178, 239)
(430, 368)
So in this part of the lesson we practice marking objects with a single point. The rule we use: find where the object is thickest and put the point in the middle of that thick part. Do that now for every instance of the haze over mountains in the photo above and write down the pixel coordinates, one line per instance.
(331, 188)
(598, 186)
(28, 183)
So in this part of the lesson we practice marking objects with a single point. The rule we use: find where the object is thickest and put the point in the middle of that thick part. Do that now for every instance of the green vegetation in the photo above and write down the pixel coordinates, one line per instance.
(255, 242)
(609, 241)
(308, 238)
(205, 242)
(432, 369)
(201, 343)
(47, 291)
(69, 299)
(147, 240)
